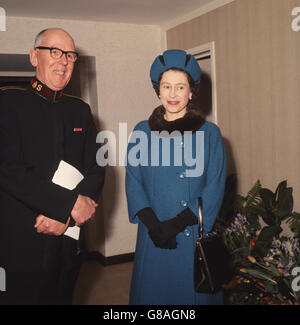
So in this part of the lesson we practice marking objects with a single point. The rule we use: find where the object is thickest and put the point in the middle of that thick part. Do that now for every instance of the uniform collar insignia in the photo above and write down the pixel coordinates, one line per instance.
(44, 91)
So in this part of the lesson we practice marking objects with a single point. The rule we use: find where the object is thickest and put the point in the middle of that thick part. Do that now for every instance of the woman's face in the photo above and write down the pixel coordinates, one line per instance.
(175, 92)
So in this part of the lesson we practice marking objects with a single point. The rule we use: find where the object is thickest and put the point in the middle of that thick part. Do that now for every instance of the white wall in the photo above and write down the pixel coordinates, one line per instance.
(123, 56)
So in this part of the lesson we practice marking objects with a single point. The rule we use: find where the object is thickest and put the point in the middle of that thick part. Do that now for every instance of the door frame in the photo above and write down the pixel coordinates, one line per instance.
(200, 52)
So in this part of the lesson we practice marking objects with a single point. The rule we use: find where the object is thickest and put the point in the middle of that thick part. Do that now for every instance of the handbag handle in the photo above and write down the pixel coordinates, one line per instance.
(200, 219)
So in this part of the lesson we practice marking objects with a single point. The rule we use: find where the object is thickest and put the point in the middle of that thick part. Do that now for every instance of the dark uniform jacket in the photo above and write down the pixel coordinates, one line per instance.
(38, 128)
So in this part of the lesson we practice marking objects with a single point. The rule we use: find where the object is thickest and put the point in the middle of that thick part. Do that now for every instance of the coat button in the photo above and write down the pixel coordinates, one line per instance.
(182, 175)
(183, 203)
(187, 232)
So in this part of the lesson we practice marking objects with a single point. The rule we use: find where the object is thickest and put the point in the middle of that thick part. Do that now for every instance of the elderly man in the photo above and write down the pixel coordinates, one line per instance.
(40, 126)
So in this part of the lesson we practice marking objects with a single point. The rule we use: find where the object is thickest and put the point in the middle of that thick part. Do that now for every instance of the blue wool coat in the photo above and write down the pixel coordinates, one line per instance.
(165, 276)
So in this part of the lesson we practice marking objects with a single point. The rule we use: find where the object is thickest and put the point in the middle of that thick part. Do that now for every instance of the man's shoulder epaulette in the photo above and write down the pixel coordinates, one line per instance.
(72, 96)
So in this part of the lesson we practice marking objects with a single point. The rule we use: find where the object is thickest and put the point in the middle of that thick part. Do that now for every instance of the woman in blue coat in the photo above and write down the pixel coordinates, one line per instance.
(173, 158)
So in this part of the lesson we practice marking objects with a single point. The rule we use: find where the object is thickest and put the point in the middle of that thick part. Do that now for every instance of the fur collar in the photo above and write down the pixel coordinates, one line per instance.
(191, 121)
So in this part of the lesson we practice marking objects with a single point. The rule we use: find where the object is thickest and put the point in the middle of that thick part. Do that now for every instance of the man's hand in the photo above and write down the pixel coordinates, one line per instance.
(49, 226)
(83, 209)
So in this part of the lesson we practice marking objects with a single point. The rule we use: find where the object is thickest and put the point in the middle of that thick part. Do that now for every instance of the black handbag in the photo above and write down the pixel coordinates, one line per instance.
(212, 266)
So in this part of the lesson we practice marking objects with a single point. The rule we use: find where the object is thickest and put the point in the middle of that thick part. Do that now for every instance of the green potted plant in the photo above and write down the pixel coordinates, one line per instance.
(262, 257)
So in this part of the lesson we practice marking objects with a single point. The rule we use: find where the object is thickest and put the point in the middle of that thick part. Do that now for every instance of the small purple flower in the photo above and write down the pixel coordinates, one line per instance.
(288, 247)
(238, 225)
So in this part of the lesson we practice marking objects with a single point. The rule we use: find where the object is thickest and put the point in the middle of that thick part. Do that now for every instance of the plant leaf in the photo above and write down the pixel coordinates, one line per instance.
(280, 189)
(253, 197)
(260, 275)
(285, 200)
(267, 197)
(265, 238)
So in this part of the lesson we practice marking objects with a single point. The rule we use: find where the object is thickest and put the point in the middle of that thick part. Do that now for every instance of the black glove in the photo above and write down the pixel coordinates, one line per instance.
(150, 220)
(163, 234)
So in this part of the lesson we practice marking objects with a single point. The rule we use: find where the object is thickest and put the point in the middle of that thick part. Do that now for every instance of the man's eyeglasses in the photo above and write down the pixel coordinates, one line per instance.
(58, 53)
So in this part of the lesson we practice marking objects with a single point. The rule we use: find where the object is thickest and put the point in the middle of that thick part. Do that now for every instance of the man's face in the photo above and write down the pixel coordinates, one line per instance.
(54, 73)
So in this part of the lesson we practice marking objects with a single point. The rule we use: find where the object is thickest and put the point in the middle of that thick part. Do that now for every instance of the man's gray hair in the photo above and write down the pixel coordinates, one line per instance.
(39, 37)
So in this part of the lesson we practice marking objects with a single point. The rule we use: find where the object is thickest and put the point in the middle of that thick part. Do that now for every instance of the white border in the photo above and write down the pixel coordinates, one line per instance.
(209, 48)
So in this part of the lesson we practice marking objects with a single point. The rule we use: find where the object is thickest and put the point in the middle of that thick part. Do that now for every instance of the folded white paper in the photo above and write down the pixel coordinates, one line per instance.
(68, 177)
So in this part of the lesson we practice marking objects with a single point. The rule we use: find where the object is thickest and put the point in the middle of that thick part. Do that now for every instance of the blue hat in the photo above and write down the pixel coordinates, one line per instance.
(177, 59)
